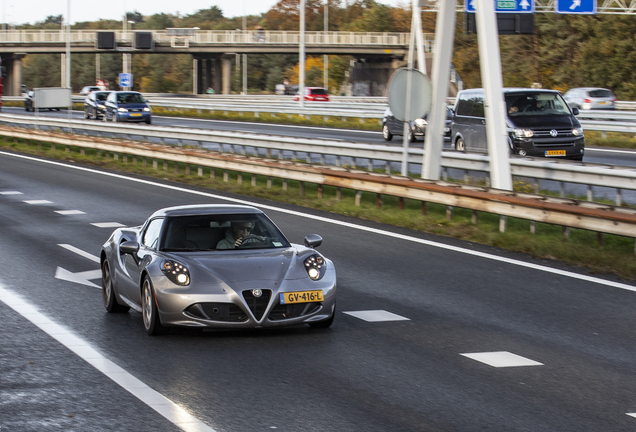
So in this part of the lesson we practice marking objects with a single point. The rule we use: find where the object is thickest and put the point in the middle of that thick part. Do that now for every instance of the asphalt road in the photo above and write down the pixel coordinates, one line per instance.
(417, 317)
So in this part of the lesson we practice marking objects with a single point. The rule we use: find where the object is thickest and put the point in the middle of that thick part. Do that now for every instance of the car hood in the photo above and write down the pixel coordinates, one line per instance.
(132, 105)
(241, 266)
(544, 121)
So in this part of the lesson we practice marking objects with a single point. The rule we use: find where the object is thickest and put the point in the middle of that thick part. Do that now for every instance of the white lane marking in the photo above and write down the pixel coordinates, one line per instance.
(632, 414)
(376, 316)
(82, 278)
(501, 359)
(108, 225)
(11, 193)
(69, 212)
(37, 202)
(604, 150)
(484, 255)
(80, 252)
(155, 400)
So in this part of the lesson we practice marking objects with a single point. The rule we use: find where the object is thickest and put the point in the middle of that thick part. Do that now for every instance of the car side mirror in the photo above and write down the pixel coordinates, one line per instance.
(129, 247)
(313, 240)
(575, 111)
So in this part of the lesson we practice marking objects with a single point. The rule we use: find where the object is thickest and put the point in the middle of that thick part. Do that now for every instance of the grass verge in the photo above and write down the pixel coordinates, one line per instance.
(599, 254)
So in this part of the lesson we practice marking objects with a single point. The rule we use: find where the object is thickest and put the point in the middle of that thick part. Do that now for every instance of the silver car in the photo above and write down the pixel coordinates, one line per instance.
(590, 98)
(218, 266)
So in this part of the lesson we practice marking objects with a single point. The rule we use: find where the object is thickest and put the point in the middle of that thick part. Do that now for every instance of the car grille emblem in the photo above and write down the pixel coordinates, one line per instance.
(553, 132)
(257, 292)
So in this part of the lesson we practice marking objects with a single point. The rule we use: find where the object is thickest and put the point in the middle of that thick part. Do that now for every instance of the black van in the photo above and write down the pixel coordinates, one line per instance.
(539, 122)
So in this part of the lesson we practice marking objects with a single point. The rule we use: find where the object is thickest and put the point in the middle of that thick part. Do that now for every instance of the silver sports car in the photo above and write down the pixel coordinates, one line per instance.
(221, 266)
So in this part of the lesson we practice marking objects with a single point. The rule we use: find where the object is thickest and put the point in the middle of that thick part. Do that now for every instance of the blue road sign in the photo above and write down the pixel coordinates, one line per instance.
(125, 80)
(575, 7)
(506, 6)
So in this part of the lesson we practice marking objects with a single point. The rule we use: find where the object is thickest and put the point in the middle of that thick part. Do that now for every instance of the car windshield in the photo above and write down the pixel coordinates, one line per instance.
(221, 232)
(601, 93)
(527, 104)
(101, 96)
(126, 98)
(318, 91)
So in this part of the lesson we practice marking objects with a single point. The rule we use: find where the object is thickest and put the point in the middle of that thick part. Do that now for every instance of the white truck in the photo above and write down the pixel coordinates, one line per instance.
(51, 98)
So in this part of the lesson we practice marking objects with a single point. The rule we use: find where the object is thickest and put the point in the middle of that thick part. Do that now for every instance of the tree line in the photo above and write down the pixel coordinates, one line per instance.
(565, 51)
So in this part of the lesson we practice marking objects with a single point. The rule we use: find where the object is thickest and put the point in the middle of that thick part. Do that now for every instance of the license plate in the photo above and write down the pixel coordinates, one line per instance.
(555, 153)
(602, 103)
(135, 114)
(301, 297)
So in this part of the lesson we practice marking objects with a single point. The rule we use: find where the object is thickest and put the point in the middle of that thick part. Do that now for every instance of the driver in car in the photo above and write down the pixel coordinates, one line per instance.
(240, 233)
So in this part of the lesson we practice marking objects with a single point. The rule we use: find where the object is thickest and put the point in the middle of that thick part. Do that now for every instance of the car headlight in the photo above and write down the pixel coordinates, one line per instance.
(315, 266)
(101, 106)
(122, 110)
(147, 109)
(420, 122)
(523, 133)
(176, 272)
(577, 131)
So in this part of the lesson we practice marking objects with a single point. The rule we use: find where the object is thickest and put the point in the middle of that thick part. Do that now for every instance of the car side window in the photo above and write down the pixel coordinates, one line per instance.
(478, 107)
(464, 107)
(151, 234)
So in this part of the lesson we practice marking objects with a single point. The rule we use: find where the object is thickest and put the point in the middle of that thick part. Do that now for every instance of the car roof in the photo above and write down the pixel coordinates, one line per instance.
(589, 88)
(204, 209)
(513, 90)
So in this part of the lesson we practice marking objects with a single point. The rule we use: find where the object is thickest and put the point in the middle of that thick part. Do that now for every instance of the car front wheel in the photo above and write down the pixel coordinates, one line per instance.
(386, 133)
(460, 145)
(108, 294)
(152, 322)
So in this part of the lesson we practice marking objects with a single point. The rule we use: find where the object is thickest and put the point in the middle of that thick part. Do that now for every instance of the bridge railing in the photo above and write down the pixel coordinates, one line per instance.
(221, 37)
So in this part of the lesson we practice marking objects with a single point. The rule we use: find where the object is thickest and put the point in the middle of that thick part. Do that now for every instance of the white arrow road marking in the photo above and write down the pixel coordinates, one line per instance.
(80, 278)
(575, 4)
(80, 252)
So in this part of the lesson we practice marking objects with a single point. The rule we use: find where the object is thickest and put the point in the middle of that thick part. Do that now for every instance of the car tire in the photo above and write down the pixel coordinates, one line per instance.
(149, 310)
(149, 121)
(386, 133)
(108, 293)
(411, 136)
(324, 323)
(460, 145)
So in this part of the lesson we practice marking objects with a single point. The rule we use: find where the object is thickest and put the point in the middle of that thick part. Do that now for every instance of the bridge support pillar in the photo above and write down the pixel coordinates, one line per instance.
(226, 61)
(13, 80)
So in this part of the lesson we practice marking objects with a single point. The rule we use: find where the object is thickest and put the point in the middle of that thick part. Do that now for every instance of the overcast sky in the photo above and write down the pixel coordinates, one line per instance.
(30, 11)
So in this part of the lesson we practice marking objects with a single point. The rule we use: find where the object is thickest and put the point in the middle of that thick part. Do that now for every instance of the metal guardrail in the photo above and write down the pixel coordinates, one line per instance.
(537, 208)
(592, 175)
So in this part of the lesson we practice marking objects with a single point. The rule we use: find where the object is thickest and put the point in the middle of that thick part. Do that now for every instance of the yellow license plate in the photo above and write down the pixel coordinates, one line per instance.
(301, 297)
(135, 114)
(555, 153)
(602, 103)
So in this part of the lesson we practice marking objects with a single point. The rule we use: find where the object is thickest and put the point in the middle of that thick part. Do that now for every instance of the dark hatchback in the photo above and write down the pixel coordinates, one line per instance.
(127, 106)
(392, 126)
(95, 104)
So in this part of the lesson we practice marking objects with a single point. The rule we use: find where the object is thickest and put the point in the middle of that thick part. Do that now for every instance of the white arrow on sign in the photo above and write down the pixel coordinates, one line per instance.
(525, 4)
(575, 4)
(80, 278)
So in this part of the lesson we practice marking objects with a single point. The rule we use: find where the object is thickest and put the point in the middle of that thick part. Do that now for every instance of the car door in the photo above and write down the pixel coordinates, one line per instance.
(136, 263)
(111, 105)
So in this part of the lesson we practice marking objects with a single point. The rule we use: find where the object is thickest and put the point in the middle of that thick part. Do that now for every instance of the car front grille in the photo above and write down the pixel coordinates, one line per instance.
(257, 305)
(225, 312)
(294, 310)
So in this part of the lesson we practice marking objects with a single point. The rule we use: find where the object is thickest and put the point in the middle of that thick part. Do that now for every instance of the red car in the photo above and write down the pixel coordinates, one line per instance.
(315, 94)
